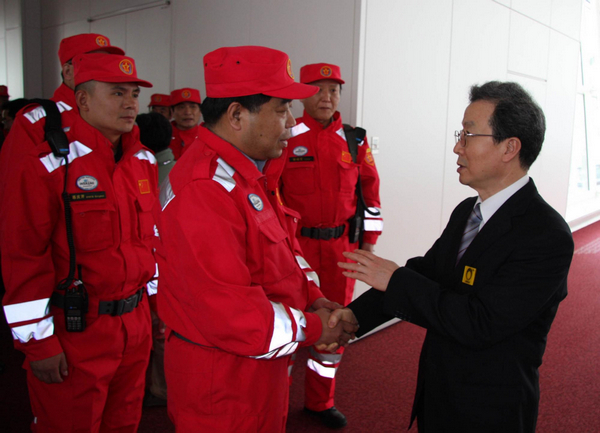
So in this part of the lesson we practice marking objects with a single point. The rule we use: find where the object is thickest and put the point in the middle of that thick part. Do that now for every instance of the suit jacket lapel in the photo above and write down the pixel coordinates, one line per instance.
(501, 222)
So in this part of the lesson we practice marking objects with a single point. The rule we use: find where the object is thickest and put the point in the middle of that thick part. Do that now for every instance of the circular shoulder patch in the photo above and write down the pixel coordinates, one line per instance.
(256, 202)
(87, 183)
(300, 151)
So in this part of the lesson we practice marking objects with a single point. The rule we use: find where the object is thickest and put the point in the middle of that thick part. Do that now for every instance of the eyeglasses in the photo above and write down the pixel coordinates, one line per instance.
(461, 136)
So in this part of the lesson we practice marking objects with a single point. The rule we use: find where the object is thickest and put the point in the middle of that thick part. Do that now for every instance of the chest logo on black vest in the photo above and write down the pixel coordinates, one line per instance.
(469, 275)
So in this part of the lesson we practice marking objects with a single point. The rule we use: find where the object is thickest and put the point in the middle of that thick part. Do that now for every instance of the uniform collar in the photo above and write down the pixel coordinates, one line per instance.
(231, 154)
(91, 137)
(65, 94)
(335, 124)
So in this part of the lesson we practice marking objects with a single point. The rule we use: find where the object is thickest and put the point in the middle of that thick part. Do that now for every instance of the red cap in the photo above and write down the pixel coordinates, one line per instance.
(160, 100)
(320, 71)
(242, 71)
(85, 43)
(187, 94)
(4, 90)
(108, 68)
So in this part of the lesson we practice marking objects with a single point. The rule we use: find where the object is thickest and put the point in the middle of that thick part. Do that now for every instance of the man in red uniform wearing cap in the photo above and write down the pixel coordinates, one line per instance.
(28, 130)
(161, 104)
(235, 290)
(91, 380)
(186, 118)
(319, 181)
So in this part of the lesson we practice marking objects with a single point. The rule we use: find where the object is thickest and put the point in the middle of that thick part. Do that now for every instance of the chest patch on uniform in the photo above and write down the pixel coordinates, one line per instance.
(301, 158)
(300, 151)
(144, 186)
(87, 196)
(346, 156)
(87, 183)
(469, 275)
(256, 202)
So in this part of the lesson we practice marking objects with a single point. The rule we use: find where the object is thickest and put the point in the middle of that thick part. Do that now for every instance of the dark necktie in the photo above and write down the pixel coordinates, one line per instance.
(471, 230)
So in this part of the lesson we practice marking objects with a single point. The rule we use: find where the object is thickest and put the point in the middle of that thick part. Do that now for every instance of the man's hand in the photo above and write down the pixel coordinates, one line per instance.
(50, 370)
(339, 334)
(324, 303)
(369, 268)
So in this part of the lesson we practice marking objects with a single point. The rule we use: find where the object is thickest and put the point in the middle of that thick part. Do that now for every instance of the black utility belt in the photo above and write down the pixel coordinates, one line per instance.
(323, 233)
(114, 308)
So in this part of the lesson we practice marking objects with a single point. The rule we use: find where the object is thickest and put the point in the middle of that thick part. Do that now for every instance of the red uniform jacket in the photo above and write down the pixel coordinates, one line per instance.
(231, 274)
(28, 130)
(181, 140)
(112, 222)
(319, 179)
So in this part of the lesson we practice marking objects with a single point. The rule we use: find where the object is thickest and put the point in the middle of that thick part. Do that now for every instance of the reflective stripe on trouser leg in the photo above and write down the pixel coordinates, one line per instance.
(321, 368)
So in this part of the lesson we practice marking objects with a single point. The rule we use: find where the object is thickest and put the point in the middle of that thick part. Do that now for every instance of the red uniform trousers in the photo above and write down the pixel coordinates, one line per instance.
(321, 367)
(110, 357)
(211, 408)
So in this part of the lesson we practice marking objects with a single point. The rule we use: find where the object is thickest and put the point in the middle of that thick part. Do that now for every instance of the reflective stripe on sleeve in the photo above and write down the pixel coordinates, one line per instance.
(38, 331)
(76, 149)
(166, 194)
(25, 311)
(373, 225)
(145, 155)
(224, 175)
(152, 286)
(310, 274)
(283, 340)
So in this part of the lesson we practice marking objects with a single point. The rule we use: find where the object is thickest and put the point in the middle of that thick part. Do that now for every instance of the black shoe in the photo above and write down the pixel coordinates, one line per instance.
(150, 400)
(331, 417)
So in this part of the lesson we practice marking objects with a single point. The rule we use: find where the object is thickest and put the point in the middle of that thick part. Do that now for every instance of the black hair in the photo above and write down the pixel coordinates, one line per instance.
(516, 115)
(213, 108)
(14, 105)
(155, 131)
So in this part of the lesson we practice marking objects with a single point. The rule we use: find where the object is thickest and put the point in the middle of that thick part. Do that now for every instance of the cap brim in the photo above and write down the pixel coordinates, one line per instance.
(293, 91)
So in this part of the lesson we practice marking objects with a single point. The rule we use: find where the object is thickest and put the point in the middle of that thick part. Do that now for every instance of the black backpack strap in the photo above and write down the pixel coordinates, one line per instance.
(55, 136)
(354, 136)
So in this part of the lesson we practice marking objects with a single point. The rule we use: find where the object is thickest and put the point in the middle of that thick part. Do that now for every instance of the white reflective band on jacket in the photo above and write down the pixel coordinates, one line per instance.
(224, 175)
(39, 112)
(144, 155)
(373, 223)
(310, 274)
(26, 311)
(76, 150)
(299, 129)
(324, 364)
(284, 341)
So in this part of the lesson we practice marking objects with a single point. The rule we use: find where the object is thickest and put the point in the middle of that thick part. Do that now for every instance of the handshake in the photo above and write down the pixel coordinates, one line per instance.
(339, 325)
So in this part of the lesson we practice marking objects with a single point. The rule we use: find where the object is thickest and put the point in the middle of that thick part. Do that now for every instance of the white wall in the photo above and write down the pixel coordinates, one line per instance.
(11, 47)
(420, 60)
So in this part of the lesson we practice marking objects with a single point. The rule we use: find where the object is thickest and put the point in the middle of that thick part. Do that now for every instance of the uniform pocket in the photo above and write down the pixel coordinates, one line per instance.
(299, 178)
(144, 208)
(347, 177)
(93, 223)
(278, 259)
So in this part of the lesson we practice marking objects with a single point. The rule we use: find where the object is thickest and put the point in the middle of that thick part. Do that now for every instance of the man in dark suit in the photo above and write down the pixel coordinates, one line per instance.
(487, 306)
